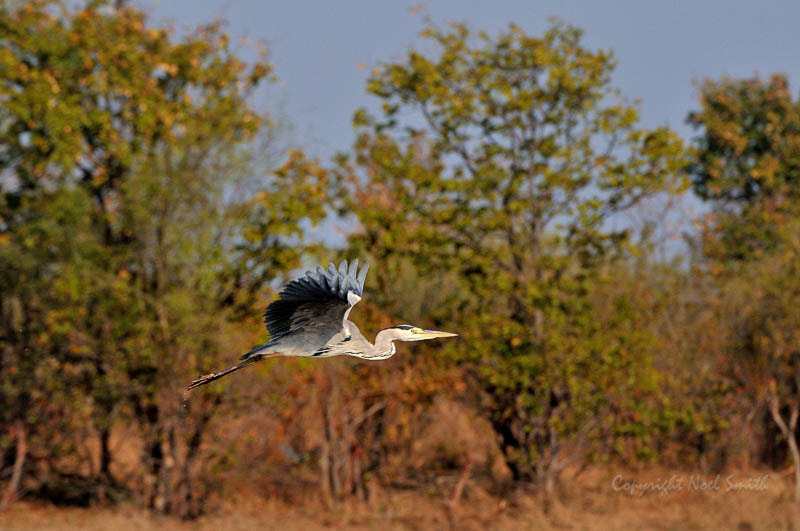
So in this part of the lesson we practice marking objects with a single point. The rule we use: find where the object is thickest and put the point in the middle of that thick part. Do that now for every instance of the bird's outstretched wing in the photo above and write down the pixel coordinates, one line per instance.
(319, 300)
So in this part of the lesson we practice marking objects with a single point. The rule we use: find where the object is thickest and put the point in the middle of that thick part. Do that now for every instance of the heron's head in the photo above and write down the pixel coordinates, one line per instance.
(412, 333)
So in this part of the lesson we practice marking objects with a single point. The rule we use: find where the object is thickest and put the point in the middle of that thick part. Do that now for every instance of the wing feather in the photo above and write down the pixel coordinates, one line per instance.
(362, 275)
(319, 299)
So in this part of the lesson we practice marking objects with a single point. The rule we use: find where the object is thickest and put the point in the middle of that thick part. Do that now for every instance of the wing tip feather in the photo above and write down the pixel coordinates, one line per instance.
(345, 283)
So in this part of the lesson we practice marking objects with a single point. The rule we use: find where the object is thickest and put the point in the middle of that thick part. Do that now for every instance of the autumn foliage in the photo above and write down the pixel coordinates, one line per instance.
(504, 189)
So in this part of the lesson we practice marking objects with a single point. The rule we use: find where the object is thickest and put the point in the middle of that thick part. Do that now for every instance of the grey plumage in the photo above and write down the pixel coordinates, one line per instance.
(317, 299)
(309, 319)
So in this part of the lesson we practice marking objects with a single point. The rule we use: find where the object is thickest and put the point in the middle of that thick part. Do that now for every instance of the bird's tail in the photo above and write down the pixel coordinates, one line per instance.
(257, 349)
(251, 358)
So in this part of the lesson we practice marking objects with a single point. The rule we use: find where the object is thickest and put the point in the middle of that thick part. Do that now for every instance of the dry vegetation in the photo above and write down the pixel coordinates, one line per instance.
(503, 190)
(588, 502)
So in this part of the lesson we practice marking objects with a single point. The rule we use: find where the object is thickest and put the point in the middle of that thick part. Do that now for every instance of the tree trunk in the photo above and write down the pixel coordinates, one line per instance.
(788, 432)
(189, 503)
(153, 452)
(325, 473)
(105, 455)
(548, 483)
(510, 446)
(334, 468)
(12, 489)
(451, 504)
(155, 457)
(796, 459)
(328, 449)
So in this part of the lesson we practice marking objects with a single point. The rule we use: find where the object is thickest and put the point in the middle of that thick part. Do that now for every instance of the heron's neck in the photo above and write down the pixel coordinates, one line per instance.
(384, 348)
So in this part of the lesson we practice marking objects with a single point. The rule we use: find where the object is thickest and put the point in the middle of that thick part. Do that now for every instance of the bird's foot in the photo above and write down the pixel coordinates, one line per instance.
(200, 381)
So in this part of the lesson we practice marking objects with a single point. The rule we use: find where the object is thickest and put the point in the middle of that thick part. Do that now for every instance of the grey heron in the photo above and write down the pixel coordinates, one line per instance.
(309, 319)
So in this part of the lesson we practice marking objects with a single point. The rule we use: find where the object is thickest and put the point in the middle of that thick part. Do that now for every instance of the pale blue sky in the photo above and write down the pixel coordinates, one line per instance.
(661, 47)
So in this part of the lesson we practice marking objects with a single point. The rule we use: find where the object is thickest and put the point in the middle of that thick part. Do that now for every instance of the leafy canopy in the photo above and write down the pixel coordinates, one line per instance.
(500, 161)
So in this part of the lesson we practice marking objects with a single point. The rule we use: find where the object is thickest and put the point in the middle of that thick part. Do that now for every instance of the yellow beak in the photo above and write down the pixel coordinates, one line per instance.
(430, 334)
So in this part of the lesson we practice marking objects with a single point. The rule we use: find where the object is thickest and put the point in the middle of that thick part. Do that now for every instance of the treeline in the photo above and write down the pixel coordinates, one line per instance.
(505, 190)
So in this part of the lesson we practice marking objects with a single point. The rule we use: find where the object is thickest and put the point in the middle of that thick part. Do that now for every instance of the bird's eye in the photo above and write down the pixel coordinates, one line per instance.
(416, 330)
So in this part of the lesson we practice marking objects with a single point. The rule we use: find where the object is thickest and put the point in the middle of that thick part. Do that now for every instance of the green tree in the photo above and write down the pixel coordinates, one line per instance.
(498, 163)
(747, 166)
(138, 221)
(747, 161)
(760, 308)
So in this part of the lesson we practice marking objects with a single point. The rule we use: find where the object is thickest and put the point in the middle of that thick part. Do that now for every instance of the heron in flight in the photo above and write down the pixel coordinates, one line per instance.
(310, 320)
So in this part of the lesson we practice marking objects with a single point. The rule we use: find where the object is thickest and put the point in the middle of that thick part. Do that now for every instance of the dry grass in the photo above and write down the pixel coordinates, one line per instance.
(587, 503)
